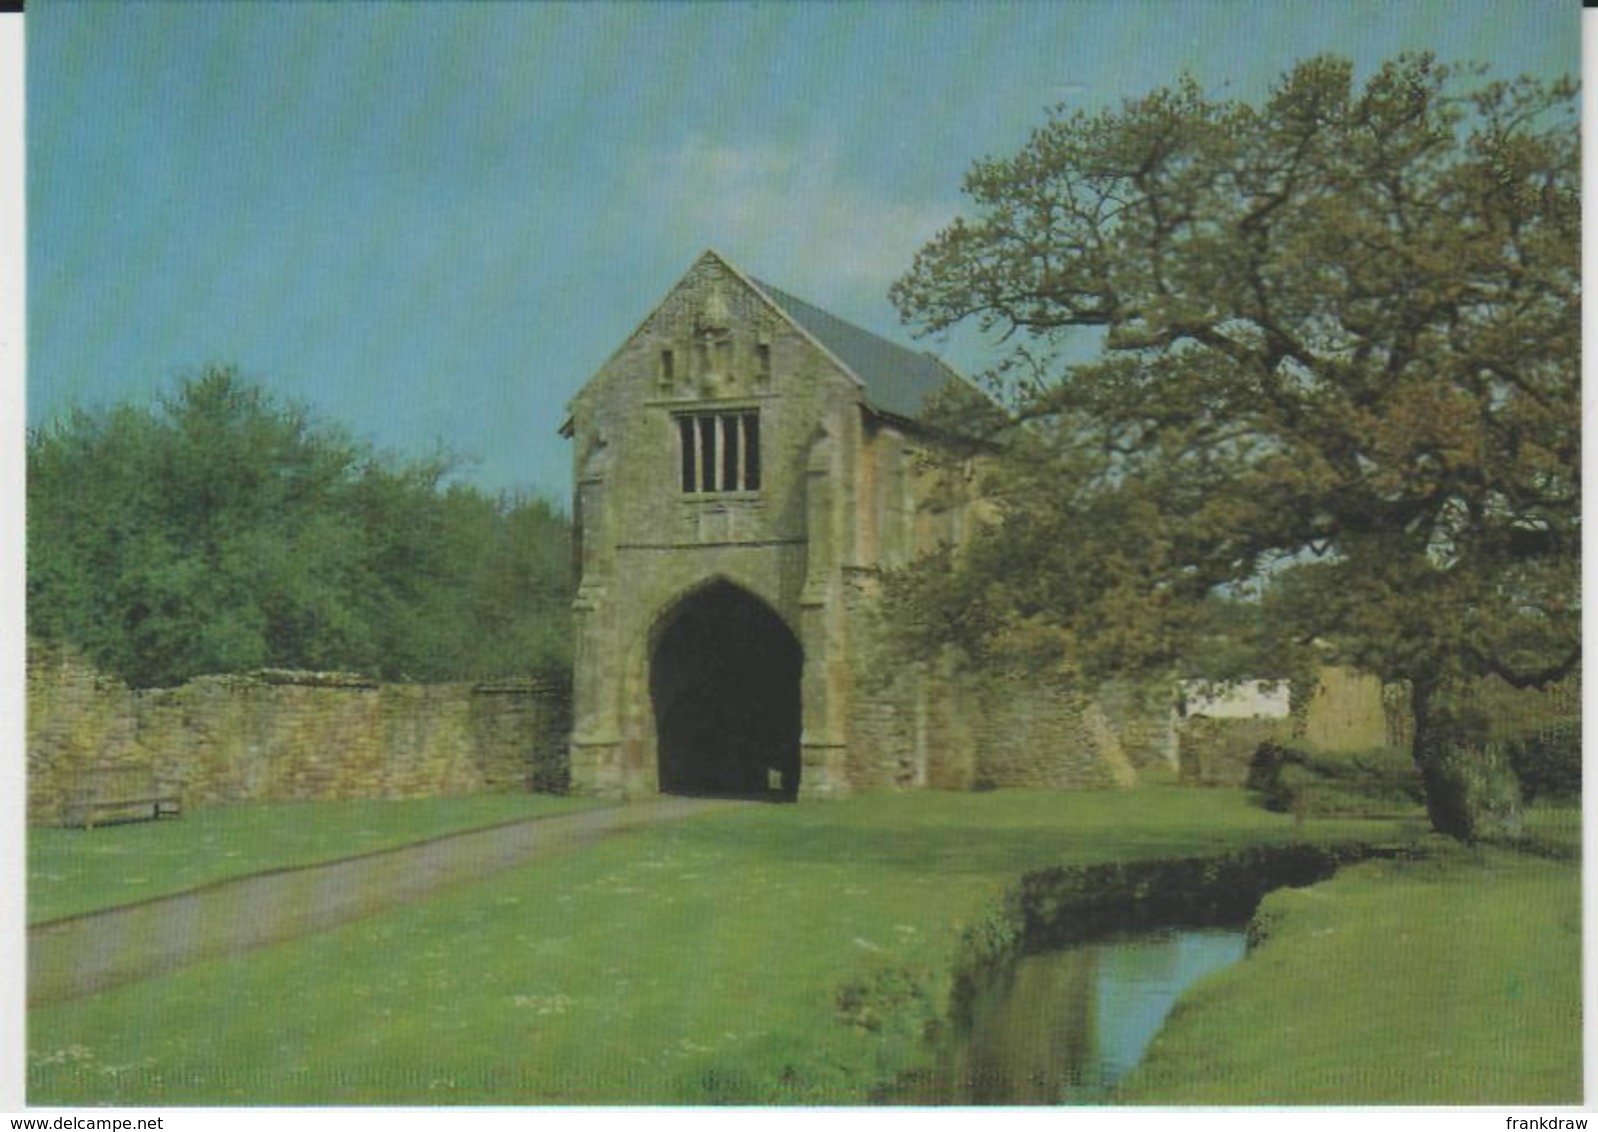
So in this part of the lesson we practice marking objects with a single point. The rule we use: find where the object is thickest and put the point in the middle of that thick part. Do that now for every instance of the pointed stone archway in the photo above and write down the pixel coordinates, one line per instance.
(724, 683)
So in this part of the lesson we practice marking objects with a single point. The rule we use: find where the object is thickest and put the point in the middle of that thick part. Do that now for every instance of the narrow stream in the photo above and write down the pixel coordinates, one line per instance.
(1068, 1024)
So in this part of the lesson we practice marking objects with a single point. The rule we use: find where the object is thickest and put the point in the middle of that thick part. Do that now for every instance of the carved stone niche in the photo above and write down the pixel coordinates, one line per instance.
(713, 347)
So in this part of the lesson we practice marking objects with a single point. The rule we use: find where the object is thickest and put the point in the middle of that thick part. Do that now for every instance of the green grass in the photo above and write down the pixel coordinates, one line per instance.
(75, 870)
(695, 962)
(1554, 828)
(795, 953)
(1455, 980)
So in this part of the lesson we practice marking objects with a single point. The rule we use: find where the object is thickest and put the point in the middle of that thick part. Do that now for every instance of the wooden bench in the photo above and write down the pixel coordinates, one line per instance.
(107, 795)
(110, 811)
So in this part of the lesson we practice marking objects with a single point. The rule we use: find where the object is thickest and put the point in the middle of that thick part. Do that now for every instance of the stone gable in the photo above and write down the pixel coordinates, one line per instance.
(745, 467)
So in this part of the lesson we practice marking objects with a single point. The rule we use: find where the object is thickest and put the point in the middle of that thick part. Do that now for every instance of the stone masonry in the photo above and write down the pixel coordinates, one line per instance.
(282, 736)
(745, 467)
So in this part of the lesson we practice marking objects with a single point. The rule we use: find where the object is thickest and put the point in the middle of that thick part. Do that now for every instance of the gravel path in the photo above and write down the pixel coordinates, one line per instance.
(87, 954)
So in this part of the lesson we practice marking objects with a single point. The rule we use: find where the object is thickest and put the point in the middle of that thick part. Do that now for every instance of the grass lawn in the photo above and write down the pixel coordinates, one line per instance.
(693, 962)
(76, 870)
(1455, 980)
(1555, 827)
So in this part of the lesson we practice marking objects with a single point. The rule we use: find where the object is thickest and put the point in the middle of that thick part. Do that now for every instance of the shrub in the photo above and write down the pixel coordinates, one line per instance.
(873, 1002)
(1265, 772)
(1477, 788)
(1548, 761)
(1289, 780)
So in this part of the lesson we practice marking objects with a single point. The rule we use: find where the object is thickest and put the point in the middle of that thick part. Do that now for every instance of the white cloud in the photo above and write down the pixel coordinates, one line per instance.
(791, 213)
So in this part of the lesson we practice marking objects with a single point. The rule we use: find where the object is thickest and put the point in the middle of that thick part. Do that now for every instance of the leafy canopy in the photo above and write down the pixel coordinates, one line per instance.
(1339, 337)
(220, 531)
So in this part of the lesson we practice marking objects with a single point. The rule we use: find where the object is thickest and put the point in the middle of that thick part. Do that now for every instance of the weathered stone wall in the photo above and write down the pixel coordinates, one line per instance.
(1347, 711)
(939, 725)
(646, 544)
(1144, 719)
(908, 728)
(847, 489)
(1028, 733)
(1216, 752)
(1352, 711)
(76, 717)
(967, 732)
(285, 736)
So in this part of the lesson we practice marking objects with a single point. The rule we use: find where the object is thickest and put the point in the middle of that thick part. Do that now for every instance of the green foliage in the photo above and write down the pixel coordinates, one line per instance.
(1536, 731)
(220, 531)
(1471, 790)
(1265, 773)
(1551, 830)
(1216, 752)
(1547, 762)
(874, 1000)
(1377, 782)
(1476, 789)
(1340, 332)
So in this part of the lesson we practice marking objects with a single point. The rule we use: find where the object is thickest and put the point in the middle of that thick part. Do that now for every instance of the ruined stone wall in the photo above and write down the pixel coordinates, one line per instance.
(936, 724)
(75, 717)
(1216, 752)
(926, 725)
(288, 736)
(1351, 711)
(1144, 719)
(909, 728)
(1029, 733)
(918, 731)
(1347, 711)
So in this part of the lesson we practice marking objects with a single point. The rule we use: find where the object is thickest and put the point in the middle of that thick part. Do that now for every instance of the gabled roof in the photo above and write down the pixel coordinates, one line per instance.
(897, 381)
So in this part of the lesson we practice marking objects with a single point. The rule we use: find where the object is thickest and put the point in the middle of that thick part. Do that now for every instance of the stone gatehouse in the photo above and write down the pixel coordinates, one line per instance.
(746, 466)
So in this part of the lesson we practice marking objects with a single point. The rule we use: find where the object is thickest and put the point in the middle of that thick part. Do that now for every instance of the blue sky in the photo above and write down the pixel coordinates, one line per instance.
(432, 222)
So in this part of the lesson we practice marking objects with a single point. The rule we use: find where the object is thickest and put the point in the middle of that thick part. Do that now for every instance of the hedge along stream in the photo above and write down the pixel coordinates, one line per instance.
(1055, 908)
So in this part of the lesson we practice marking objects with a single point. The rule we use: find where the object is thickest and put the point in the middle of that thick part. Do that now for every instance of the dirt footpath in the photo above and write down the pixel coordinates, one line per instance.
(86, 954)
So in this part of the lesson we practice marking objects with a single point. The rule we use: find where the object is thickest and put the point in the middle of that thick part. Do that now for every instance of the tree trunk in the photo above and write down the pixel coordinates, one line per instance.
(1446, 804)
(1469, 792)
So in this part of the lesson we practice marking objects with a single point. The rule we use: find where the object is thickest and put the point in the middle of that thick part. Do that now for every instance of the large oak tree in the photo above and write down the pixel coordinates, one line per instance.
(1338, 340)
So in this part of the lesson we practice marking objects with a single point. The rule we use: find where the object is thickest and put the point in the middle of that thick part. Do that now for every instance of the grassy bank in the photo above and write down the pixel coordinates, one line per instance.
(770, 953)
(1454, 980)
(75, 870)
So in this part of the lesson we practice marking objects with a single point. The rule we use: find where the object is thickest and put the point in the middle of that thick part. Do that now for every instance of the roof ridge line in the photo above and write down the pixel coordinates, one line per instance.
(855, 326)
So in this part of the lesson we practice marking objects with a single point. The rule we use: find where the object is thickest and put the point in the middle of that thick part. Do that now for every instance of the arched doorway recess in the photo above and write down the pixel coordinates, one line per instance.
(724, 684)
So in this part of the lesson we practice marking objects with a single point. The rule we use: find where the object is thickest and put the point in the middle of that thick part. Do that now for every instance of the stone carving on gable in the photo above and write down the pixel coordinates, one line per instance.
(714, 315)
(713, 346)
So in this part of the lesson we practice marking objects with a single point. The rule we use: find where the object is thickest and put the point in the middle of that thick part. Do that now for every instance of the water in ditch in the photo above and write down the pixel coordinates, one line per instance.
(1064, 1026)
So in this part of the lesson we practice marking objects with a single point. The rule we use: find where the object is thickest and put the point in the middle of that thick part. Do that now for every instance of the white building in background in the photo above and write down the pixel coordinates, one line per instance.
(1249, 699)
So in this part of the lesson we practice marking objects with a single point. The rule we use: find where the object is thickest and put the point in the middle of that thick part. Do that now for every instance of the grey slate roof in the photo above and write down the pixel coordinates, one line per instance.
(898, 381)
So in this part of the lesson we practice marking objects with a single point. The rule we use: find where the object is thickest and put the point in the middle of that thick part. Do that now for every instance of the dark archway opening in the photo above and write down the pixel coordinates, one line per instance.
(724, 683)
